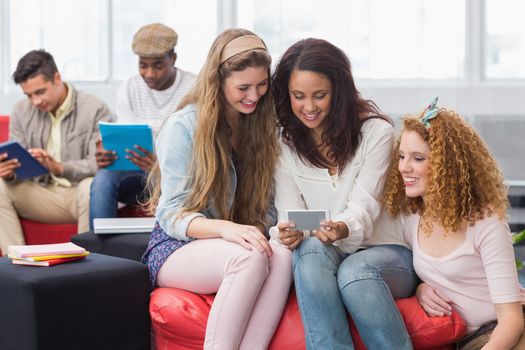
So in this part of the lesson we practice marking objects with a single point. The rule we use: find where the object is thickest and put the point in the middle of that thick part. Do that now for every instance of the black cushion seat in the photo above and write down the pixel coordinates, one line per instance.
(100, 302)
(130, 246)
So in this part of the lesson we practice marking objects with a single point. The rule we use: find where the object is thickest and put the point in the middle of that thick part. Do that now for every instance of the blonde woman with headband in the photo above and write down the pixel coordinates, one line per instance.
(216, 159)
(450, 191)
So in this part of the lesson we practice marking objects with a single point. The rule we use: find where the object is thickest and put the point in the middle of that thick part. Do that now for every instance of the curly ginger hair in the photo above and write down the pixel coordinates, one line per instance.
(465, 183)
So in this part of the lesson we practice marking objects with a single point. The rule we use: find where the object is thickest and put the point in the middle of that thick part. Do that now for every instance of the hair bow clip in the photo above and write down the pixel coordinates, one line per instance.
(430, 113)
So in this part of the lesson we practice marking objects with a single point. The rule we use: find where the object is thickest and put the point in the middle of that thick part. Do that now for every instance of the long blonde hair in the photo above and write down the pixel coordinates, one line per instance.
(211, 159)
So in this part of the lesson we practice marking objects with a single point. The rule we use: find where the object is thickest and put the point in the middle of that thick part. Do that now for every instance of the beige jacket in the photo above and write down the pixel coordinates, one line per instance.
(79, 131)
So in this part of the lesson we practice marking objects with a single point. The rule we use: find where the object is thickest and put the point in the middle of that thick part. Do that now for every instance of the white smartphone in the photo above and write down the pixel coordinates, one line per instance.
(306, 219)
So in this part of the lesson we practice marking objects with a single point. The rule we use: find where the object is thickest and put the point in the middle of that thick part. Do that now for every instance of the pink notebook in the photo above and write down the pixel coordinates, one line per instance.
(4, 128)
(24, 251)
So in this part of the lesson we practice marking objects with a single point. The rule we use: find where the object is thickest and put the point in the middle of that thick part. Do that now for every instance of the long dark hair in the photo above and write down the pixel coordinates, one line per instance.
(348, 109)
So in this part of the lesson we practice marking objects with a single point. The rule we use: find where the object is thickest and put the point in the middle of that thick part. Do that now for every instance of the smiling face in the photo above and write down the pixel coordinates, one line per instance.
(310, 97)
(413, 163)
(46, 95)
(243, 89)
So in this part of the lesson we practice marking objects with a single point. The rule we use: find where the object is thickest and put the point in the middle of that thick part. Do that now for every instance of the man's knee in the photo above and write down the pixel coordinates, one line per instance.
(4, 190)
(6, 195)
(104, 178)
(83, 189)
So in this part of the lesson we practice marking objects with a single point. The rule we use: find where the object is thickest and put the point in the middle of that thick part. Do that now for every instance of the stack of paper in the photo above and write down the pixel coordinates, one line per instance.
(45, 254)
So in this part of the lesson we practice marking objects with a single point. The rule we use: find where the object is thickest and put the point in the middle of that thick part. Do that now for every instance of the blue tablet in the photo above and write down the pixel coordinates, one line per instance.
(30, 167)
(119, 137)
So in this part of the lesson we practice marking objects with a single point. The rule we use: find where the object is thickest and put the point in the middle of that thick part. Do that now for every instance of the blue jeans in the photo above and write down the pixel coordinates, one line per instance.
(112, 186)
(329, 283)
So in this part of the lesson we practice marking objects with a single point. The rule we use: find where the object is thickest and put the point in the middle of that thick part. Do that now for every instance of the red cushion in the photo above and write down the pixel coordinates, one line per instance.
(42, 233)
(430, 332)
(179, 319)
(4, 128)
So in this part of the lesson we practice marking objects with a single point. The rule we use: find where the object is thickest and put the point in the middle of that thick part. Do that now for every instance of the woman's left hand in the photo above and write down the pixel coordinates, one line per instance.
(245, 235)
(433, 301)
(331, 231)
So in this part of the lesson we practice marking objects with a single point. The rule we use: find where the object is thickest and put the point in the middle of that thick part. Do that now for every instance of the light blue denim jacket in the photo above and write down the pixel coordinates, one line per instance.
(174, 148)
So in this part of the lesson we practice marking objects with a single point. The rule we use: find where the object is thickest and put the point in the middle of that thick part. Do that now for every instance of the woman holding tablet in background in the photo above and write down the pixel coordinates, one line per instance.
(336, 149)
(217, 157)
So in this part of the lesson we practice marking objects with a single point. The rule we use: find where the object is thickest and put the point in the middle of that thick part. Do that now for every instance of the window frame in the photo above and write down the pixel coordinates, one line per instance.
(499, 95)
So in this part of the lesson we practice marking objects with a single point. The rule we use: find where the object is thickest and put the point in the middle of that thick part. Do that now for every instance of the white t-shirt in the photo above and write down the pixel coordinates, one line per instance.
(478, 274)
(139, 104)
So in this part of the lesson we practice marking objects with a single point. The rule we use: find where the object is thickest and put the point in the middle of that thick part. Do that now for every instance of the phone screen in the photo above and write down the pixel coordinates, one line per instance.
(307, 219)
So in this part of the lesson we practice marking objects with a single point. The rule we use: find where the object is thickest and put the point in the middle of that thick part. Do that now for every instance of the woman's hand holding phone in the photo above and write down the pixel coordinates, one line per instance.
(288, 236)
(331, 231)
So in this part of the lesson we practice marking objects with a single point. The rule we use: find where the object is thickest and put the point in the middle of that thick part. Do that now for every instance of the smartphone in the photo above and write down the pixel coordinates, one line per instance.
(306, 219)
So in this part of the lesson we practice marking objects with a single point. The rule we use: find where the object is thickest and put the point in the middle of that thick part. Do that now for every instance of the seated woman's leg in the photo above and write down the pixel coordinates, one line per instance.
(110, 187)
(271, 301)
(217, 266)
(369, 280)
(322, 311)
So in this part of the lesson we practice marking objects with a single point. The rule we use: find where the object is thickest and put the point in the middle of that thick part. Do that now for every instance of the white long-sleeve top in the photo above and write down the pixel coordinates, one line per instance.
(352, 196)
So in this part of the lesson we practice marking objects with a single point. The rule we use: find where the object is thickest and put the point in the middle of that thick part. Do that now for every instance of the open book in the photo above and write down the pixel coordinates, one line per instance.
(119, 137)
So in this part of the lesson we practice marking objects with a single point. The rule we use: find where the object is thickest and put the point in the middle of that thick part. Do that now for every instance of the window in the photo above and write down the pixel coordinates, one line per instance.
(425, 39)
(74, 32)
(91, 40)
(385, 40)
(504, 50)
(195, 24)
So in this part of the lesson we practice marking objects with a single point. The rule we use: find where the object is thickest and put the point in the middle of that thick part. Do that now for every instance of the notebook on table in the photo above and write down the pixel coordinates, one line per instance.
(123, 225)
(39, 250)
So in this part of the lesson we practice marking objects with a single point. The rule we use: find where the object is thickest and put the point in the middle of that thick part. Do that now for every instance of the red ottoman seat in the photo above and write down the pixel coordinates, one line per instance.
(178, 320)
(42, 233)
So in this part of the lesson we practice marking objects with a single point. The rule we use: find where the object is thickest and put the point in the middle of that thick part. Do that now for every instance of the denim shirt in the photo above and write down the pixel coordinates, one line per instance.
(174, 147)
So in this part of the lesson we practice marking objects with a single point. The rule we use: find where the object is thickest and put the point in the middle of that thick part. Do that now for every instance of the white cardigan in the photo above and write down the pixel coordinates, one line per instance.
(353, 197)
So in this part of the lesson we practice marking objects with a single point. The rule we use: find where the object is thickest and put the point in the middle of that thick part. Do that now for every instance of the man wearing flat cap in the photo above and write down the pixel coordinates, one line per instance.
(147, 98)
